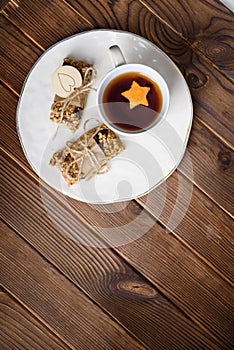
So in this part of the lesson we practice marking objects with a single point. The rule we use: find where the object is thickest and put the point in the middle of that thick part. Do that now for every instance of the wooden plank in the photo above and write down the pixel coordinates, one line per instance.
(3, 4)
(202, 226)
(188, 260)
(212, 241)
(204, 81)
(66, 241)
(204, 147)
(147, 255)
(9, 138)
(53, 18)
(211, 159)
(17, 54)
(176, 257)
(19, 329)
(172, 274)
(206, 25)
(55, 300)
(205, 228)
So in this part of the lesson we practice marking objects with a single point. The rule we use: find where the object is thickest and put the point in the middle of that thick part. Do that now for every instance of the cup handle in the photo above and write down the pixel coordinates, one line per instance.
(117, 56)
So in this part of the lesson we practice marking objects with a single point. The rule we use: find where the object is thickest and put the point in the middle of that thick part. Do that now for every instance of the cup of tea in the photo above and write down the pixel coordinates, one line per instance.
(131, 98)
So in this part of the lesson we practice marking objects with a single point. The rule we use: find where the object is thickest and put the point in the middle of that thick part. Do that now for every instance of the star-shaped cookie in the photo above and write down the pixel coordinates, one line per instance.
(136, 95)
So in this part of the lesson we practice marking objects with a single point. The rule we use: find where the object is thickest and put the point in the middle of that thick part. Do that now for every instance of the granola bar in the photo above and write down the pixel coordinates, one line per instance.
(72, 114)
(75, 161)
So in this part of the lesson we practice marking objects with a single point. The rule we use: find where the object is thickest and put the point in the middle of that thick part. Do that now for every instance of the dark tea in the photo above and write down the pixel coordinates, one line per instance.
(117, 107)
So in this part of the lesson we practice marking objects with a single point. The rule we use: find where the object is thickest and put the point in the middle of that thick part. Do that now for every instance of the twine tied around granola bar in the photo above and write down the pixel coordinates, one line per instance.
(97, 167)
(75, 94)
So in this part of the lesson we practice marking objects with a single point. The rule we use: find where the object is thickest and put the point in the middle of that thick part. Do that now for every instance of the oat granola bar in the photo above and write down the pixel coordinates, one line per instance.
(88, 155)
(72, 114)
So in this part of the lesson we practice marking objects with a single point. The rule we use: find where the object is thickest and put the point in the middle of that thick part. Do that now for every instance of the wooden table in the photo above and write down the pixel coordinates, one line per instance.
(164, 290)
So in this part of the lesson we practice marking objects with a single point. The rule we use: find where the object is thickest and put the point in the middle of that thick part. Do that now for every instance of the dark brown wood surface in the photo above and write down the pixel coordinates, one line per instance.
(168, 289)
(206, 25)
(19, 329)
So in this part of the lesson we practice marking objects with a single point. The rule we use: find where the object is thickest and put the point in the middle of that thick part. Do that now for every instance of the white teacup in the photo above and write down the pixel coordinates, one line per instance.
(117, 115)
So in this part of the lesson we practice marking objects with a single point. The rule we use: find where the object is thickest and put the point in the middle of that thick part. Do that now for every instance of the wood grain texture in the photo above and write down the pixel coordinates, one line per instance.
(53, 17)
(220, 187)
(211, 159)
(204, 147)
(195, 275)
(66, 240)
(203, 88)
(62, 306)
(165, 255)
(20, 330)
(206, 85)
(205, 228)
(91, 239)
(211, 293)
(3, 4)
(204, 81)
(17, 54)
(203, 299)
(206, 24)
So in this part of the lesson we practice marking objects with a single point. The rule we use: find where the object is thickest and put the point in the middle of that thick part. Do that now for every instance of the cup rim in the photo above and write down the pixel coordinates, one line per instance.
(161, 116)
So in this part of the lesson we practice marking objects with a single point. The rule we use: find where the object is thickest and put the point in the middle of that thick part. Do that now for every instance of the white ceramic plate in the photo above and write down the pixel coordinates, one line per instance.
(148, 159)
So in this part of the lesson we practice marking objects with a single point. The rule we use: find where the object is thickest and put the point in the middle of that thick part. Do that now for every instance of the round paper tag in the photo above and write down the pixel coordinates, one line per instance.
(65, 79)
